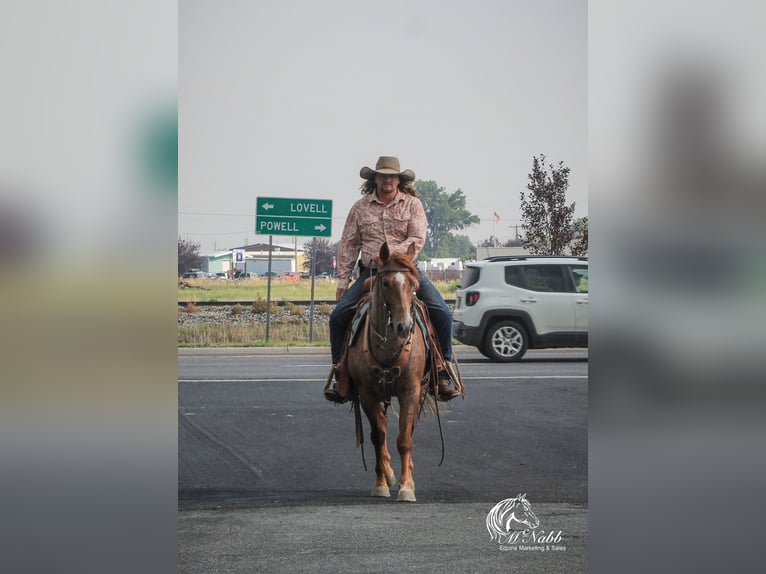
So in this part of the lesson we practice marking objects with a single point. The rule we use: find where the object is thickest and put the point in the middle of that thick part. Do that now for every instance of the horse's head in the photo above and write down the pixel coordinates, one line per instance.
(396, 284)
(522, 511)
(500, 518)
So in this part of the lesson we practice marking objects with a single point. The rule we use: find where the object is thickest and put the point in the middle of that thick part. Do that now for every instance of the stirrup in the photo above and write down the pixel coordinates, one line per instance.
(446, 379)
(445, 392)
(331, 393)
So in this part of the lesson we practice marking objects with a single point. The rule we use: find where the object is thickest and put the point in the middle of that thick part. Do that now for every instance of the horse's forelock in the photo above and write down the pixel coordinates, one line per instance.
(403, 260)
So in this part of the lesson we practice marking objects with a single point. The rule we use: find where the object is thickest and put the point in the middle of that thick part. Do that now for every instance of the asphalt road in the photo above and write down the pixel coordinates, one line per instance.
(270, 480)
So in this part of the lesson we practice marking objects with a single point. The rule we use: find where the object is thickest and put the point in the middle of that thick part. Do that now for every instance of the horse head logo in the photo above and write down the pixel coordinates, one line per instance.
(500, 519)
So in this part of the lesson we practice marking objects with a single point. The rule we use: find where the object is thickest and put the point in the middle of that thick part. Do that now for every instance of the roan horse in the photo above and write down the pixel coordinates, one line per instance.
(390, 360)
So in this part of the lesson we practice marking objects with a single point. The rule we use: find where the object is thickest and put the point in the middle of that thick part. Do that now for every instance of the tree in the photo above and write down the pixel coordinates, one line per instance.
(580, 245)
(546, 219)
(188, 255)
(493, 241)
(459, 246)
(444, 212)
(324, 254)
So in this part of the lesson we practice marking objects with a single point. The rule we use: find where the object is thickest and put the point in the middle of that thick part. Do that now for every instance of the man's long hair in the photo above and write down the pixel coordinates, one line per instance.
(369, 187)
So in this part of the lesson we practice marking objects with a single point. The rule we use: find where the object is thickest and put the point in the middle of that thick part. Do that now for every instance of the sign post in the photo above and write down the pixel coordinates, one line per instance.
(293, 216)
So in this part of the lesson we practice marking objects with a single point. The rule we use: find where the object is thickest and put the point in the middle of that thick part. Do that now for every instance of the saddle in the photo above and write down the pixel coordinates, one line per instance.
(436, 361)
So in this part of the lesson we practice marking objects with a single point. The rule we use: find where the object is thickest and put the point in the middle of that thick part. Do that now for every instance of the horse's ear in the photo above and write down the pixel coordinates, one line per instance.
(384, 253)
(411, 250)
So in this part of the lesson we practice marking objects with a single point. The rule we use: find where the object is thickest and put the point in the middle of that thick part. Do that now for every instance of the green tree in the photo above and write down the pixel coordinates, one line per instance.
(580, 245)
(493, 241)
(546, 219)
(459, 246)
(324, 253)
(188, 255)
(444, 212)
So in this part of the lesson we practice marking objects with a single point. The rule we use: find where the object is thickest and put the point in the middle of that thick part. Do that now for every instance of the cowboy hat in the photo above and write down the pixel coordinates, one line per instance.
(388, 165)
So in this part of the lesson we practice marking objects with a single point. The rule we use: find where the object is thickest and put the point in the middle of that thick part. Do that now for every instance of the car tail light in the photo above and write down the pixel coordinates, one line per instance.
(471, 298)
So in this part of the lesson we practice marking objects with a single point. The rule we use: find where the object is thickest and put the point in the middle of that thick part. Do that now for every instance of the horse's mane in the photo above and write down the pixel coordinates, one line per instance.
(402, 259)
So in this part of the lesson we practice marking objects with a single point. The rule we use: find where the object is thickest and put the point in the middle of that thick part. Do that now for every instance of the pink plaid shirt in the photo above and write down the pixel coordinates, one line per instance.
(370, 223)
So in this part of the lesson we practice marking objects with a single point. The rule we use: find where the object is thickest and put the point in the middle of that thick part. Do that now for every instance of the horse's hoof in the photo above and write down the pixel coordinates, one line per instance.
(391, 479)
(406, 494)
(380, 491)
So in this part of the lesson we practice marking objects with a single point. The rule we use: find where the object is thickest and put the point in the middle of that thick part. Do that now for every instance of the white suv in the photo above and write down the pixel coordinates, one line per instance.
(506, 305)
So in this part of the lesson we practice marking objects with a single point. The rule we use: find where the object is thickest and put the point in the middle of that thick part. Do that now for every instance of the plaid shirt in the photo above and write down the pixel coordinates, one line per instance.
(370, 223)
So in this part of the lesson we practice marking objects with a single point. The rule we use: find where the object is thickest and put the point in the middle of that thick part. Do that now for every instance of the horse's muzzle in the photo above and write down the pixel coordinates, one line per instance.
(404, 329)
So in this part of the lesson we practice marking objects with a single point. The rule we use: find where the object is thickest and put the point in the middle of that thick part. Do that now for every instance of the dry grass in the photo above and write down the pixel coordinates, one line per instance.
(292, 308)
(289, 331)
(259, 306)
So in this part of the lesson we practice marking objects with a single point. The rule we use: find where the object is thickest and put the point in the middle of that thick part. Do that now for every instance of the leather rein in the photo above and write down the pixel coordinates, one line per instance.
(387, 375)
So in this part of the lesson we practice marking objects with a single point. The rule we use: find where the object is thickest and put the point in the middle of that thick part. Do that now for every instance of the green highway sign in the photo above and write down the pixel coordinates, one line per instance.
(292, 216)
(310, 226)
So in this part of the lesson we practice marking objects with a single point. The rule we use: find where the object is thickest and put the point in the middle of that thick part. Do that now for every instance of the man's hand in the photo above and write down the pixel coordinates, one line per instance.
(339, 293)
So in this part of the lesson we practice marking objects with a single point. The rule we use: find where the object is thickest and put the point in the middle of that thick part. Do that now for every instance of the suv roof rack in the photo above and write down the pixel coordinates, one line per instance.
(524, 257)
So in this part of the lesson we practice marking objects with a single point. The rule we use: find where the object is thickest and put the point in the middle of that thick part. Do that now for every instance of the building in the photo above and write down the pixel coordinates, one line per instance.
(256, 259)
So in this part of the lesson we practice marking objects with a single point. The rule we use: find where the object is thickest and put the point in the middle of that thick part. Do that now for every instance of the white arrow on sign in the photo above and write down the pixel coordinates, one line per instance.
(320, 227)
(267, 206)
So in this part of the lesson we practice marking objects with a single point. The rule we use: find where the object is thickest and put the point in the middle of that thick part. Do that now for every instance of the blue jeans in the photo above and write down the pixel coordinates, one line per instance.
(343, 313)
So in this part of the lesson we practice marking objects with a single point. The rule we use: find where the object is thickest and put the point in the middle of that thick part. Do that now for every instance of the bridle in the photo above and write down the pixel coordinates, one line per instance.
(389, 322)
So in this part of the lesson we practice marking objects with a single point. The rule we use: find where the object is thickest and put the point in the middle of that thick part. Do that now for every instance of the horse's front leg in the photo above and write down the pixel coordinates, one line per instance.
(408, 415)
(384, 474)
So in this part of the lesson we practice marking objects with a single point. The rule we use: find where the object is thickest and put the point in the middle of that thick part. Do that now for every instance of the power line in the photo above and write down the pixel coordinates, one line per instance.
(218, 233)
(217, 214)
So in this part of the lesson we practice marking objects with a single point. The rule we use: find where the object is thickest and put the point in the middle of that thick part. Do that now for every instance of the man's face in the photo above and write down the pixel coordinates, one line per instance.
(386, 183)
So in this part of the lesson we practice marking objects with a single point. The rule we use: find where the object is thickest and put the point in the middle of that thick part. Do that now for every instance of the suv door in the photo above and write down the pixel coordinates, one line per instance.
(579, 275)
(546, 293)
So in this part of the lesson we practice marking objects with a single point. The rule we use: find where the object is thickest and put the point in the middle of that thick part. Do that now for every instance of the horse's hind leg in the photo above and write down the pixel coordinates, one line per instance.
(384, 474)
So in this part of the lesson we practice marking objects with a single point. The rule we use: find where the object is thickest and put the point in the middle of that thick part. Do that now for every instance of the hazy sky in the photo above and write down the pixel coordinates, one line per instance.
(291, 98)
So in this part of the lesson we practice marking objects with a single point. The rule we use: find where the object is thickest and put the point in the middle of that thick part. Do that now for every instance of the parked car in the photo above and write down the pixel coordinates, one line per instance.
(506, 305)
(272, 274)
(289, 276)
(195, 274)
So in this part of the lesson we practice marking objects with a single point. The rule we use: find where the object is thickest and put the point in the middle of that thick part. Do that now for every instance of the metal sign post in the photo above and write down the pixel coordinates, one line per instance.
(293, 216)
(268, 292)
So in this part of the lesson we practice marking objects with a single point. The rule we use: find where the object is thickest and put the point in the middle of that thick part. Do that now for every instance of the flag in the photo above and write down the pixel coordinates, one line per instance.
(497, 217)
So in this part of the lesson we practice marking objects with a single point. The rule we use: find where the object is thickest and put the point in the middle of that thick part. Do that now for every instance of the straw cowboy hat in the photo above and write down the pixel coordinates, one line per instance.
(388, 165)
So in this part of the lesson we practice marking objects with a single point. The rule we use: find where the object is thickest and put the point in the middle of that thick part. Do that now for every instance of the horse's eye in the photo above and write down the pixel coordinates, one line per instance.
(386, 284)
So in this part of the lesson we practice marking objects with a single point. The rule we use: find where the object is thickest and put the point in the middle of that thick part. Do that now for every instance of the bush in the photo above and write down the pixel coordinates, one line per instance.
(259, 306)
(292, 308)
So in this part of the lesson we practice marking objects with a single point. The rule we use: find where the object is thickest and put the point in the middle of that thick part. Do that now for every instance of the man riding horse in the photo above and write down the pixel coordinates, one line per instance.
(390, 212)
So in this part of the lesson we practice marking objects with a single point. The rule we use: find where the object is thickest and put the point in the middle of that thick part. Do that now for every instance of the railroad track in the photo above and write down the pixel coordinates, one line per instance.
(450, 302)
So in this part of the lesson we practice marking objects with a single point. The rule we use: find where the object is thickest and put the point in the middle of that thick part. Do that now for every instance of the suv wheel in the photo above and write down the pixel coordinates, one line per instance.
(505, 341)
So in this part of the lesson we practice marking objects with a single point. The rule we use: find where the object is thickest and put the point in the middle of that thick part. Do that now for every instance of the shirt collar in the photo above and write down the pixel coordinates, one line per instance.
(398, 197)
